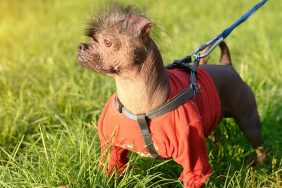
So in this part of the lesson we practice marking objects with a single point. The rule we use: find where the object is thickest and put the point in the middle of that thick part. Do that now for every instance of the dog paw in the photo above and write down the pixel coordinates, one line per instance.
(261, 155)
(64, 186)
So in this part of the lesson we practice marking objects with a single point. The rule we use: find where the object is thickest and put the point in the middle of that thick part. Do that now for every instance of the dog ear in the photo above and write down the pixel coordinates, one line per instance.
(138, 26)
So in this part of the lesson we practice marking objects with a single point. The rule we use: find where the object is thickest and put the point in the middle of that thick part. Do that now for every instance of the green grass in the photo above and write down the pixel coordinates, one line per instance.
(49, 105)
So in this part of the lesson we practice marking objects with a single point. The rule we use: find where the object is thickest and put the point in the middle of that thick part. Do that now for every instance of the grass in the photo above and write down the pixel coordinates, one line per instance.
(49, 105)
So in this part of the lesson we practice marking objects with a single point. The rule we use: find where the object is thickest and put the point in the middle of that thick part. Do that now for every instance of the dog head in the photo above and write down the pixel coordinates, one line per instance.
(119, 40)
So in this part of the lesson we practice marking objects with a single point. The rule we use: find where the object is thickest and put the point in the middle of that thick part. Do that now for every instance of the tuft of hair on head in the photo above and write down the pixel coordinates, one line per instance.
(123, 18)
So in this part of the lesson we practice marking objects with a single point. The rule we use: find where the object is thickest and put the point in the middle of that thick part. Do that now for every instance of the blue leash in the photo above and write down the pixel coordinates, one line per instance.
(196, 56)
(216, 40)
(227, 31)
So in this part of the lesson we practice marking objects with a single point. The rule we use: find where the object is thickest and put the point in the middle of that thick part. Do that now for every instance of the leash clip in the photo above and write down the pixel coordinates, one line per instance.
(193, 74)
(193, 83)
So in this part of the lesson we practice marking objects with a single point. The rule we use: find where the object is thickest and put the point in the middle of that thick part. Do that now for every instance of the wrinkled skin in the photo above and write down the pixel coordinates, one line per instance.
(118, 46)
(126, 52)
(111, 54)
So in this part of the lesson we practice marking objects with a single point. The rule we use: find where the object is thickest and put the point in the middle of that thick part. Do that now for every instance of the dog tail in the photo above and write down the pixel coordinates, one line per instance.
(225, 57)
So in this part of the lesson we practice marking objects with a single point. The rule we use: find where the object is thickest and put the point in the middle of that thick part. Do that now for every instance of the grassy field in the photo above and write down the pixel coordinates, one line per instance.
(49, 104)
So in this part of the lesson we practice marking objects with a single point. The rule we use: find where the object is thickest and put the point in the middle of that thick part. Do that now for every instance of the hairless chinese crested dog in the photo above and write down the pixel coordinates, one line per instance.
(120, 46)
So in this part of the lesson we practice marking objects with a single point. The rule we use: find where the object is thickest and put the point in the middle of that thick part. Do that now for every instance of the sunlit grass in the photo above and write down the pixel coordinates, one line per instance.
(49, 105)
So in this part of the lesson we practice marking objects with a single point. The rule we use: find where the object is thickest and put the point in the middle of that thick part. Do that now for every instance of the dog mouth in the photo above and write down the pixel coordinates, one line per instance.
(94, 63)
(89, 60)
(82, 59)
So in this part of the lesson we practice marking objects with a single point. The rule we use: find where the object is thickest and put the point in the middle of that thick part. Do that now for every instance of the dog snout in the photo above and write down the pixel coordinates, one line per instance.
(83, 47)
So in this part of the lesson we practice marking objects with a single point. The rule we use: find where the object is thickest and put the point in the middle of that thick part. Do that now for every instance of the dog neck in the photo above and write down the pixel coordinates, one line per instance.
(147, 86)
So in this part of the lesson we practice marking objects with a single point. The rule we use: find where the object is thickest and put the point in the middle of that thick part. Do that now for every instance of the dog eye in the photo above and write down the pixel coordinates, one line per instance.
(107, 43)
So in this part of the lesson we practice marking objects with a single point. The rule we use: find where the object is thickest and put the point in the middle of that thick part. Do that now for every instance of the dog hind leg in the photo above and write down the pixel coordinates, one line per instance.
(249, 123)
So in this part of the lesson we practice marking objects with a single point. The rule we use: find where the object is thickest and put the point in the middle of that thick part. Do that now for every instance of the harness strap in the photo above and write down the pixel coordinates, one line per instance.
(141, 119)
(164, 108)
(168, 106)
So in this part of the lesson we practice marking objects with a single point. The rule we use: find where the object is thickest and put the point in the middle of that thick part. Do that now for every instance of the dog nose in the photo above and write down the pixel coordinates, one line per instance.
(83, 46)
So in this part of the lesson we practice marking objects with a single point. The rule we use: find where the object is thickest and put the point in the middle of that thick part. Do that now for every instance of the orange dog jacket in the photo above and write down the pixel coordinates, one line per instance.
(179, 134)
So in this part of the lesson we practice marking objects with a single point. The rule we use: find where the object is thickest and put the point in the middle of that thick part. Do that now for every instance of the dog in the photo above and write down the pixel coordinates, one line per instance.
(121, 47)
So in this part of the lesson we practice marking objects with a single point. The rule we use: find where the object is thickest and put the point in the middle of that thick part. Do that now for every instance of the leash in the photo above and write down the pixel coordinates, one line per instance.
(187, 93)
(219, 38)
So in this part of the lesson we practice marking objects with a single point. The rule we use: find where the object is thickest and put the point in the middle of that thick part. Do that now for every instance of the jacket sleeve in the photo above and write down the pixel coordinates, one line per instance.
(118, 160)
(114, 156)
(192, 155)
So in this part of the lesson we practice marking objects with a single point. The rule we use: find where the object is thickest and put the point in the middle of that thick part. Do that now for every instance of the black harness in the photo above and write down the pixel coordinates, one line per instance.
(168, 106)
